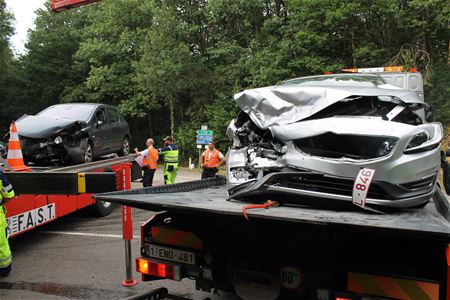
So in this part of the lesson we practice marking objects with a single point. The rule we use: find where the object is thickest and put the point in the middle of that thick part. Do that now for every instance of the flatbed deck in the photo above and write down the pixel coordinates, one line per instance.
(208, 197)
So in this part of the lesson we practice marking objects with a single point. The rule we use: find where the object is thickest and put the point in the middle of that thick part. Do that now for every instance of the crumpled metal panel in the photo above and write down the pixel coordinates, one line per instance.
(289, 104)
(368, 126)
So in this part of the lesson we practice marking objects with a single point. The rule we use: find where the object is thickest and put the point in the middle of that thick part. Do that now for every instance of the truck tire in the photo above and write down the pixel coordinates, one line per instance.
(102, 208)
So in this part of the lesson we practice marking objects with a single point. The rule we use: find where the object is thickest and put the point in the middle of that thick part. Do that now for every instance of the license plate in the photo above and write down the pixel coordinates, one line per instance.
(361, 186)
(176, 255)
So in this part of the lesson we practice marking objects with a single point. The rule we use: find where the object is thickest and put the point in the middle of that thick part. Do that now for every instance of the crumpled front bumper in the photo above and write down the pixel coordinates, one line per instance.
(308, 187)
(43, 151)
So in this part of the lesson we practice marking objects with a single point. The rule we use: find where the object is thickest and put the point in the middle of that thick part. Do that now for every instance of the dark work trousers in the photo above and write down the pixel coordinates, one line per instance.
(147, 180)
(209, 172)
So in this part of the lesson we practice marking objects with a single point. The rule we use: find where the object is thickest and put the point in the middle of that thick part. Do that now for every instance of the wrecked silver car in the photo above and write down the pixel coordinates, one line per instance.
(74, 133)
(308, 138)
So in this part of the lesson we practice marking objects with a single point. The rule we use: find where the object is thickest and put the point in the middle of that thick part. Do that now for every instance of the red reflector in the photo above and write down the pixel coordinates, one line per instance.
(154, 269)
(343, 298)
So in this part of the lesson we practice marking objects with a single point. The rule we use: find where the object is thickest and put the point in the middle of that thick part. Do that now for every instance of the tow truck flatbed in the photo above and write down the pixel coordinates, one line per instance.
(290, 251)
(208, 198)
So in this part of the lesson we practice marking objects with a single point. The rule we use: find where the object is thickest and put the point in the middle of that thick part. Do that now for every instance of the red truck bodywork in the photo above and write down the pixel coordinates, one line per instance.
(60, 5)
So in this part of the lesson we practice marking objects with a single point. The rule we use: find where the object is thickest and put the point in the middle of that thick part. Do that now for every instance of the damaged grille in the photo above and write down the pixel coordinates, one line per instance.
(329, 185)
(350, 146)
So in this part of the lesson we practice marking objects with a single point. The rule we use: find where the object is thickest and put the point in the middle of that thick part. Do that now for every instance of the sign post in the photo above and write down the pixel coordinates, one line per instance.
(204, 137)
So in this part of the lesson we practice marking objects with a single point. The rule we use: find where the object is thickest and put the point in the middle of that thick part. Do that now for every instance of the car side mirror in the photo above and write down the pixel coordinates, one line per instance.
(99, 123)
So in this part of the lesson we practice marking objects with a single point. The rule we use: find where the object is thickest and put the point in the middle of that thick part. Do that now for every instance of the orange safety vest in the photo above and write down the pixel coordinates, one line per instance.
(213, 161)
(151, 159)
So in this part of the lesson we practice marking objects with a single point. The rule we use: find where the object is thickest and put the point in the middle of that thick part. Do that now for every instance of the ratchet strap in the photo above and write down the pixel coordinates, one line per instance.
(266, 205)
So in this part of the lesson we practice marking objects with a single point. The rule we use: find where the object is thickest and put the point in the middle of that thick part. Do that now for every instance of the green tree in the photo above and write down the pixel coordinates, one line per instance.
(8, 68)
(48, 65)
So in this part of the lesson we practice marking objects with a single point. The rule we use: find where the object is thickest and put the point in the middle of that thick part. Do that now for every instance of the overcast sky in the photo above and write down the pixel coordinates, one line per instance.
(23, 11)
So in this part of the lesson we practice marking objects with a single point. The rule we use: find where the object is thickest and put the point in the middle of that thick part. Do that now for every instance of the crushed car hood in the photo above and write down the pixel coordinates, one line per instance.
(276, 105)
(42, 127)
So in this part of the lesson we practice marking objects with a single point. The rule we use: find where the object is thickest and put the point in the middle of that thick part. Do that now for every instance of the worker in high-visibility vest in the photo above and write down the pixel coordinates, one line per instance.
(149, 163)
(211, 160)
(170, 152)
(6, 193)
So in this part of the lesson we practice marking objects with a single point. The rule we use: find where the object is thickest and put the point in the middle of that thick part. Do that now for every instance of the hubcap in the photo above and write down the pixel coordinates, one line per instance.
(126, 147)
(106, 204)
(88, 154)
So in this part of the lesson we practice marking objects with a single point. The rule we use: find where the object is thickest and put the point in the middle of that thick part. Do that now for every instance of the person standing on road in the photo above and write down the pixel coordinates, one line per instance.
(171, 153)
(150, 162)
(6, 193)
(210, 161)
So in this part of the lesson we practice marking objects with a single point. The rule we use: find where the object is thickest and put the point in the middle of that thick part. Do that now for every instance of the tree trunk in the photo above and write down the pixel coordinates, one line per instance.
(353, 50)
(172, 116)
(150, 123)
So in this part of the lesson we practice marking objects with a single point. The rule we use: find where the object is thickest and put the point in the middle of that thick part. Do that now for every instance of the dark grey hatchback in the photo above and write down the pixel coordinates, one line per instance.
(75, 132)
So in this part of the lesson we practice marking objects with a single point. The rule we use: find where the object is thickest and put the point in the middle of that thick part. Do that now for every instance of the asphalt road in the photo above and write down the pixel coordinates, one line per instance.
(83, 257)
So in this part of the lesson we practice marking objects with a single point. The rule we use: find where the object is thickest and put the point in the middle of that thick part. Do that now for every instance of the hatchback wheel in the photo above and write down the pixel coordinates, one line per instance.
(88, 153)
(125, 150)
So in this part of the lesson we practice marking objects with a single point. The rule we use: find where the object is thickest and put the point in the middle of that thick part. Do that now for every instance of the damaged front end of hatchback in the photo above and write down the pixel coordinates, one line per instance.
(61, 141)
(306, 144)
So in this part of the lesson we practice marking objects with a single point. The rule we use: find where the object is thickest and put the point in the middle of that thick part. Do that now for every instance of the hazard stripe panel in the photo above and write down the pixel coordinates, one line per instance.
(392, 287)
(176, 238)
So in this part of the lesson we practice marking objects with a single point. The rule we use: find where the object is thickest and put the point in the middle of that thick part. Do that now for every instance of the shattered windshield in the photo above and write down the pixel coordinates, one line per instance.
(74, 112)
(337, 80)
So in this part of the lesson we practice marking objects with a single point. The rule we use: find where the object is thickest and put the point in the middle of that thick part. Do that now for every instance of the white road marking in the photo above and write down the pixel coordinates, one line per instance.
(116, 236)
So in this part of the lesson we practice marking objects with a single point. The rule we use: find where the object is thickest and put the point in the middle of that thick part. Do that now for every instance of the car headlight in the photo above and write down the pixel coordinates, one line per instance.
(425, 140)
(58, 140)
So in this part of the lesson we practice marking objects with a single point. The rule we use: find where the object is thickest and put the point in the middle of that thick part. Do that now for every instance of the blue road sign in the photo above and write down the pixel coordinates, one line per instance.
(204, 137)
(203, 142)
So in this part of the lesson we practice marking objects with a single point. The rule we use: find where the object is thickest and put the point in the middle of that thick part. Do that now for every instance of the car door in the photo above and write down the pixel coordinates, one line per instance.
(100, 133)
(115, 129)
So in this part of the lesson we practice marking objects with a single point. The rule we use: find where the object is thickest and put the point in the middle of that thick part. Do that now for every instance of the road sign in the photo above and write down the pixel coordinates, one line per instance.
(204, 137)
(204, 132)
(203, 142)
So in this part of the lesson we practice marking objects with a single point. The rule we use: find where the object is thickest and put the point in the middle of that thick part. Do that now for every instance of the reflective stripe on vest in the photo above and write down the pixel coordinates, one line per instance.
(6, 191)
(213, 161)
(151, 159)
(170, 156)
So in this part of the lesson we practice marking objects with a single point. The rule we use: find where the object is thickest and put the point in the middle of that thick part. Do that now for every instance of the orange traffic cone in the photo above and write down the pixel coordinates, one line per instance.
(15, 158)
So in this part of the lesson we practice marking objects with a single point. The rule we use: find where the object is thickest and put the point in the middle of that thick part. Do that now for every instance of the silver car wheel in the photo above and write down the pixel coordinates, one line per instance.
(88, 154)
(126, 147)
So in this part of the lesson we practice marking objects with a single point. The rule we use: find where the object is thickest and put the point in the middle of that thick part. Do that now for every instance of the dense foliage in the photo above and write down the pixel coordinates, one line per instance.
(173, 65)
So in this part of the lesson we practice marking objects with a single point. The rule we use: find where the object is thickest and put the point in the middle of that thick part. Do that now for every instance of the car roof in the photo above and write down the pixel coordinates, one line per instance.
(82, 104)
(337, 79)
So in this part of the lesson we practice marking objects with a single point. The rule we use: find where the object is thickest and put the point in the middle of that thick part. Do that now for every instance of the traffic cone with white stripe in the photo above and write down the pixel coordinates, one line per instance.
(15, 158)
